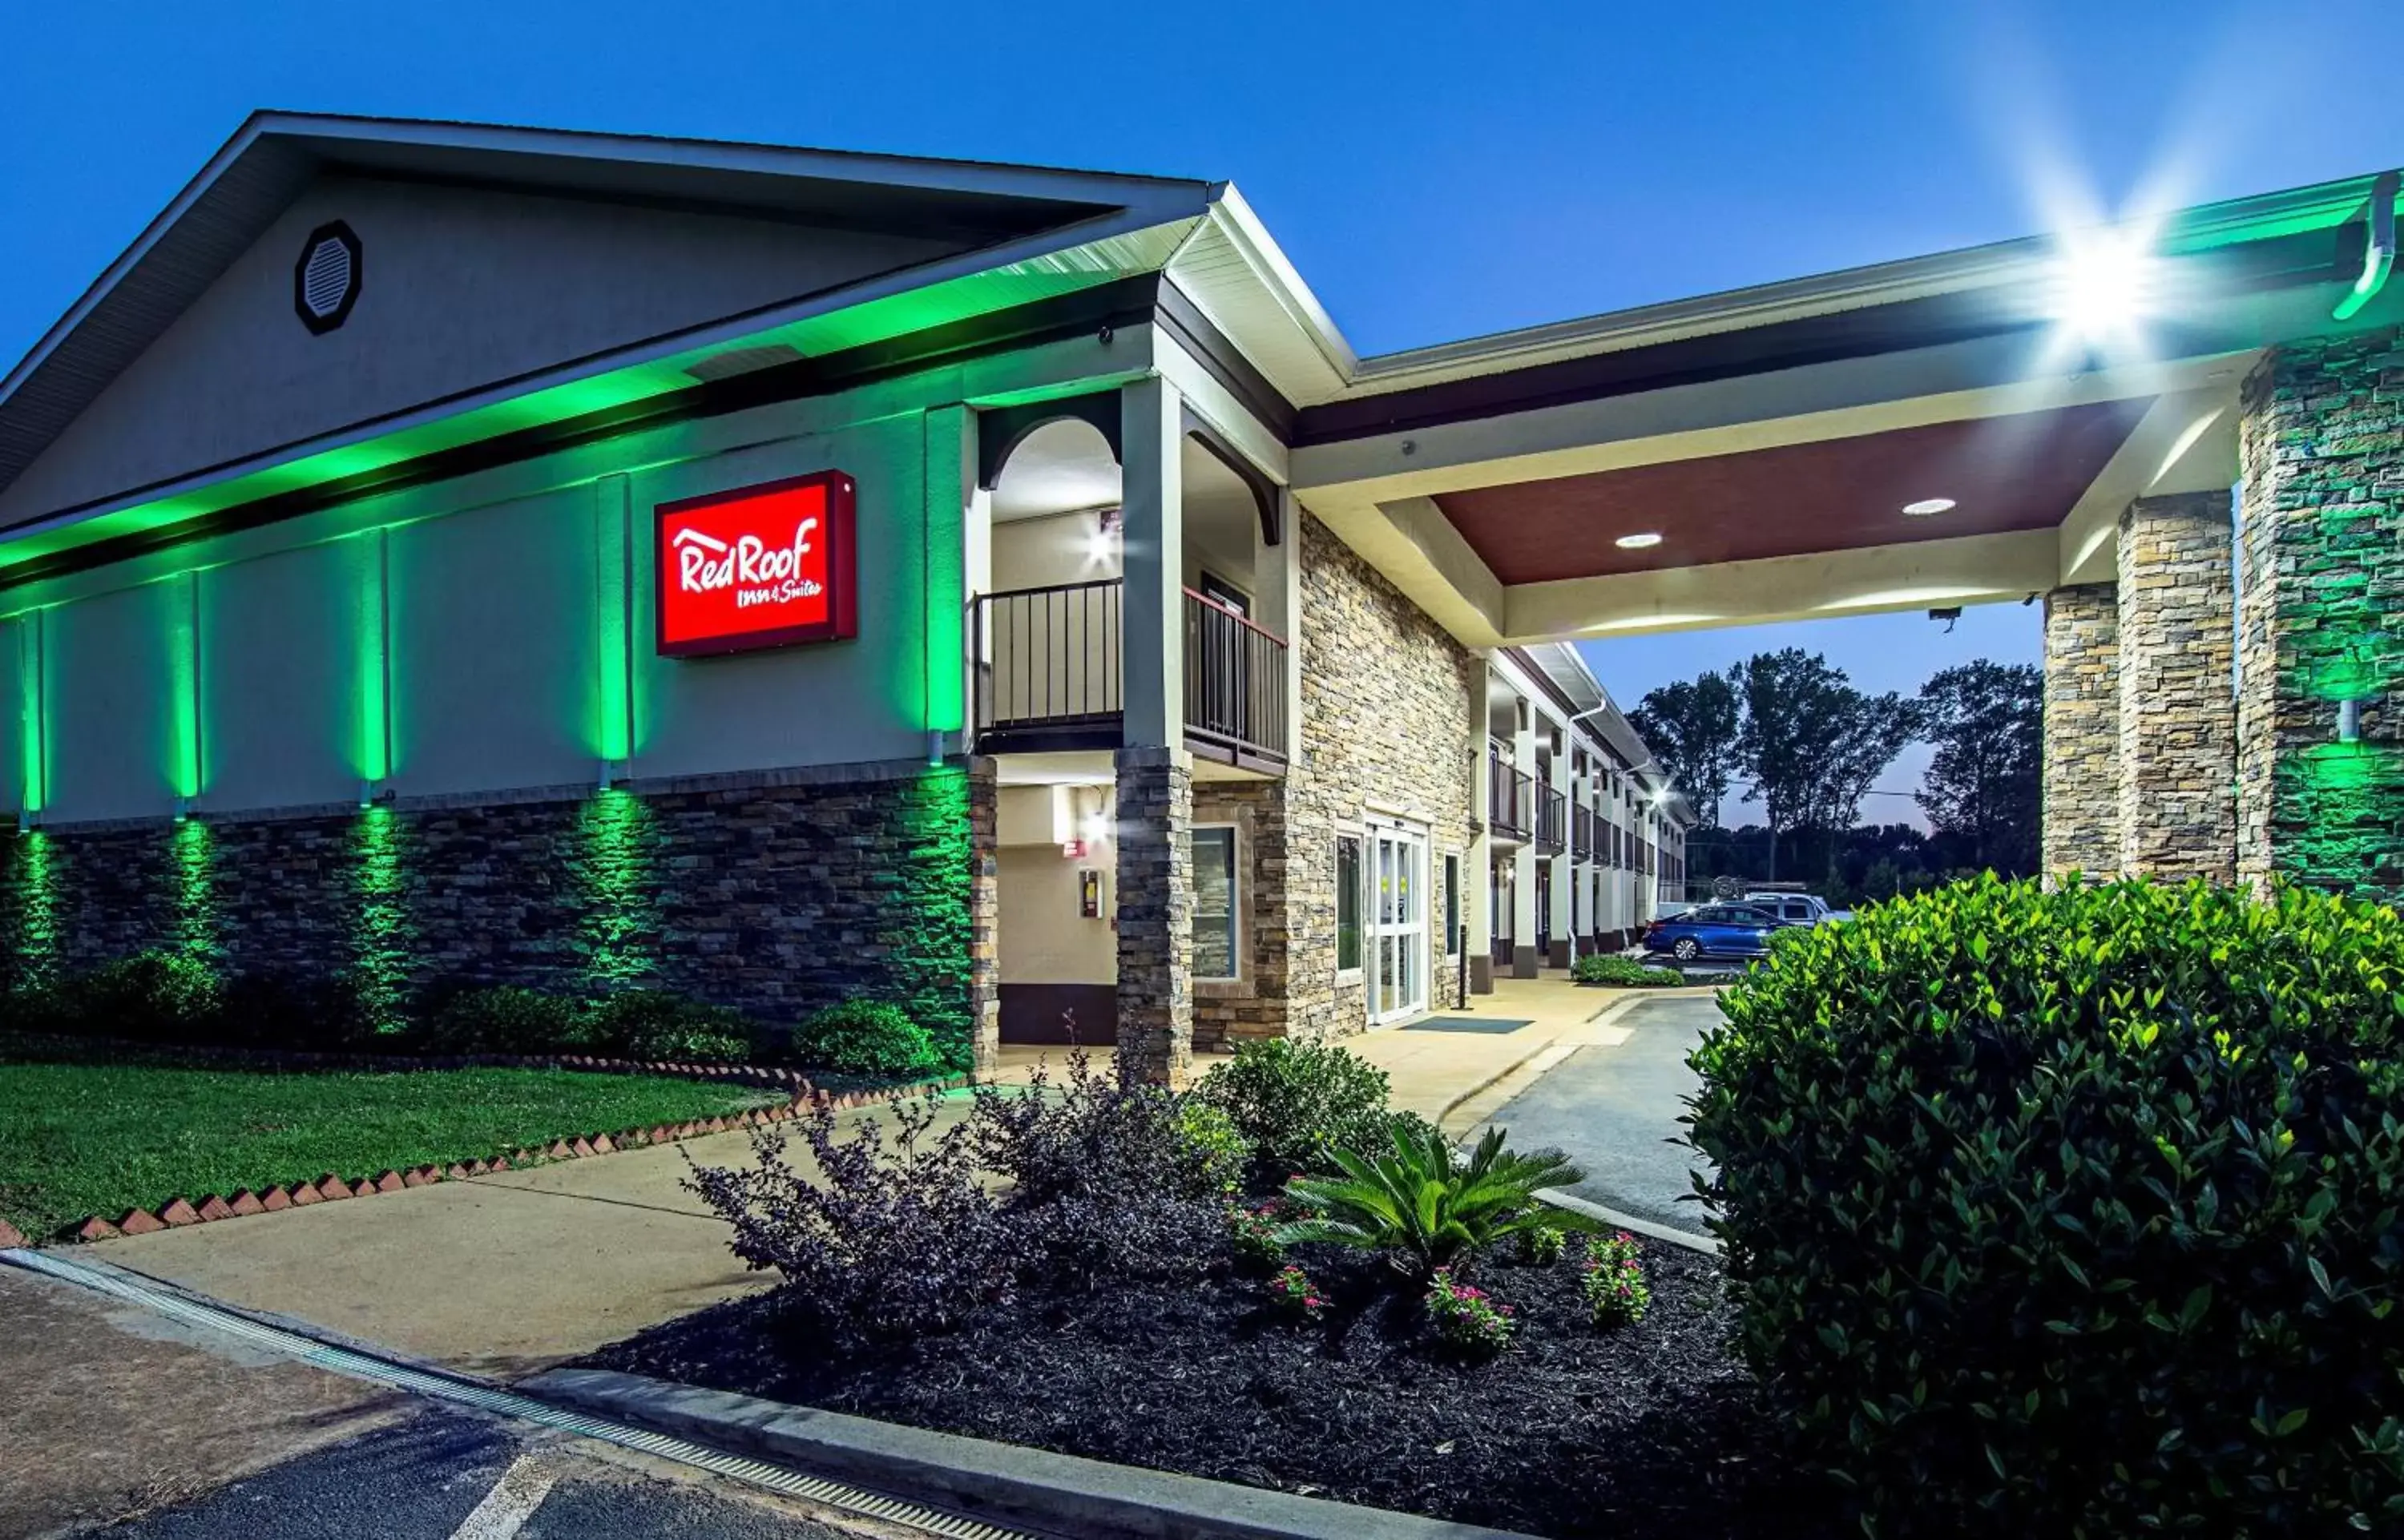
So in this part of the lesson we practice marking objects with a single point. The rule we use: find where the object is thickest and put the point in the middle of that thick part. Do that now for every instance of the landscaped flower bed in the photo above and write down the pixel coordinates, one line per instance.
(1081, 1268)
(1644, 1431)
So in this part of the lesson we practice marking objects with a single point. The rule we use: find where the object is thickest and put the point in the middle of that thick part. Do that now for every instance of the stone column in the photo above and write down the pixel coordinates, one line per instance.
(2082, 731)
(985, 916)
(2178, 703)
(1155, 914)
(2322, 605)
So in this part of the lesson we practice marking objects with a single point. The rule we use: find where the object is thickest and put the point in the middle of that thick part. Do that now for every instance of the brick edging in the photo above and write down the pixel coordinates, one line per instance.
(182, 1212)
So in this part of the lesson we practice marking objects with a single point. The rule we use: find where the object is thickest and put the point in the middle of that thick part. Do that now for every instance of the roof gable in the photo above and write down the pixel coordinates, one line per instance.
(491, 255)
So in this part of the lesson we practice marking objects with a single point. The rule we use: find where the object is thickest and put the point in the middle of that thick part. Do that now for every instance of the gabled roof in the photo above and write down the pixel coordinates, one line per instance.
(265, 166)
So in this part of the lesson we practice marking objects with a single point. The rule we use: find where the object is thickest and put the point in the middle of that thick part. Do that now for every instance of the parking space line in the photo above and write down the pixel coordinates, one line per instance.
(511, 1502)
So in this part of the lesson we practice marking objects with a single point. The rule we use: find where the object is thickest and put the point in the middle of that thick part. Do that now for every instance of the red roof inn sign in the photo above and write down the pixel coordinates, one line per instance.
(760, 566)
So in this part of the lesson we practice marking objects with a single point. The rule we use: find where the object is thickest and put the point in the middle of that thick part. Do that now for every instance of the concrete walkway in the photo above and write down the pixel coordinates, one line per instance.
(510, 1274)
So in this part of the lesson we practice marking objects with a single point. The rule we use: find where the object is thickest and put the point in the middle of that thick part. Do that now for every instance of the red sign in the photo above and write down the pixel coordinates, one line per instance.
(761, 567)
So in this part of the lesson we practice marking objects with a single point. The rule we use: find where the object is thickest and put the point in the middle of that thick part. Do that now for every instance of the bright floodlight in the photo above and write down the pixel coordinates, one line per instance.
(2106, 285)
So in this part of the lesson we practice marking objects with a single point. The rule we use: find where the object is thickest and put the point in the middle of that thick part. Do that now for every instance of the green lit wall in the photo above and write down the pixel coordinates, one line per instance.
(2319, 618)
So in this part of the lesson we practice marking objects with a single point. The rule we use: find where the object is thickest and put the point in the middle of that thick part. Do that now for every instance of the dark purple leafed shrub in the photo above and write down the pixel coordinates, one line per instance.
(894, 1237)
(1111, 1177)
(913, 1231)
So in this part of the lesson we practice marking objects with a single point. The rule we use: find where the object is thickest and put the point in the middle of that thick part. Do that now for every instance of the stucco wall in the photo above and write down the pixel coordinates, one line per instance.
(461, 289)
(489, 630)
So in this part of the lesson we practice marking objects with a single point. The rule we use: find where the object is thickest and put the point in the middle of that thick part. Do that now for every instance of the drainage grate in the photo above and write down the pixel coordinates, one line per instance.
(469, 1392)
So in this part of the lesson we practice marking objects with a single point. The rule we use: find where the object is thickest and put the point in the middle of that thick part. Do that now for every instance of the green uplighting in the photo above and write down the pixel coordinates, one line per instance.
(34, 703)
(626, 389)
(380, 933)
(614, 867)
(612, 737)
(36, 885)
(195, 851)
(183, 746)
(371, 663)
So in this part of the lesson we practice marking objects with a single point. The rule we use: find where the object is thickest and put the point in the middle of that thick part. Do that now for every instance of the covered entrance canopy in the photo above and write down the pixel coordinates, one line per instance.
(1951, 430)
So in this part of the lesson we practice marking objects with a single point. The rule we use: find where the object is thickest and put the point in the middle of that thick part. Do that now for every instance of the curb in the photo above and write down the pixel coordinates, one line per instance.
(1650, 1228)
(998, 1483)
(183, 1212)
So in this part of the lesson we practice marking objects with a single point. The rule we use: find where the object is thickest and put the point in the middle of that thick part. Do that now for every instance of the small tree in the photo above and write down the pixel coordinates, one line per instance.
(1986, 720)
(1692, 727)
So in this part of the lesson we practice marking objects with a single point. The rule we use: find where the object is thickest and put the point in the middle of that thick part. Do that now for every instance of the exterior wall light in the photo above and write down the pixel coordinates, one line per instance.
(2349, 722)
(24, 820)
(183, 808)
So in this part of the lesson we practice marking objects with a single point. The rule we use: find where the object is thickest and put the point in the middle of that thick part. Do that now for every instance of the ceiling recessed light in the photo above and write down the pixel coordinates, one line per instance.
(1926, 506)
(1636, 542)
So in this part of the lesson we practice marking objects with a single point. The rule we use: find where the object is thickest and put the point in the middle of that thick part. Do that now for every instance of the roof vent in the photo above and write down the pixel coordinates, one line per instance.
(742, 360)
(325, 279)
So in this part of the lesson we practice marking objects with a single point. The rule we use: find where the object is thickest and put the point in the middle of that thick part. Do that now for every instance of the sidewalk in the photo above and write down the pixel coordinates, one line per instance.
(509, 1274)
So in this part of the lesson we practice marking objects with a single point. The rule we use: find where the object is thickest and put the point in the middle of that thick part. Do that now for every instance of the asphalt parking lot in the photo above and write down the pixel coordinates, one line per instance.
(1615, 1111)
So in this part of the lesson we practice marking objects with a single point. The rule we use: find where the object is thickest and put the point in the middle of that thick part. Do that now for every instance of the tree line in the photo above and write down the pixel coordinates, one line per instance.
(1804, 744)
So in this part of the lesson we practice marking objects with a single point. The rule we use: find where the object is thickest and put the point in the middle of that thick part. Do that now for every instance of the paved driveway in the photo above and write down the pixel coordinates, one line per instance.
(1616, 1109)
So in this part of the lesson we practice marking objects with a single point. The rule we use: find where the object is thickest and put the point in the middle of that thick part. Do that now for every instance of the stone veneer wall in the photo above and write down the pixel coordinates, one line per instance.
(1155, 916)
(2322, 611)
(2178, 716)
(2082, 737)
(1391, 720)
(1255, 1004)
(774, 893)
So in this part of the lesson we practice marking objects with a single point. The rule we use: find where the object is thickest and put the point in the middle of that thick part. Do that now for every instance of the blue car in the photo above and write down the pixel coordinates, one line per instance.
(1713, 930)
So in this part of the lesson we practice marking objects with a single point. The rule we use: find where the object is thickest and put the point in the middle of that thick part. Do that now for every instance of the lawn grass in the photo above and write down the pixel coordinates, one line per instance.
(84, 1138)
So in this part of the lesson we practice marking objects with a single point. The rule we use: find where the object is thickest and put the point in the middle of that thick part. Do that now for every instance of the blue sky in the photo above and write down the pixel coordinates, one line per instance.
(1435, 169)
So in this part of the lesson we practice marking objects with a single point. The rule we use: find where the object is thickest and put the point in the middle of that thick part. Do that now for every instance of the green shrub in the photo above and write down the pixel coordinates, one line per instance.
(2076, 1212)
(501, 1020)
(866, 1037)
(1213, 1143)
(1543, 1246)
(336, 1014)
(1622, 972)
(1296, 1102)
(151, 997)
(652, 1024)
(1416, 1200)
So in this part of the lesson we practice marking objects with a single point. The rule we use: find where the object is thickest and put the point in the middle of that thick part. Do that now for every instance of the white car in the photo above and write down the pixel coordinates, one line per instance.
(1796, 909)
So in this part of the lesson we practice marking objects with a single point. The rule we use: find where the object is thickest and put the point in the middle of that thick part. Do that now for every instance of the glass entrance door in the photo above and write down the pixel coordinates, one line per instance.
(1398, 973)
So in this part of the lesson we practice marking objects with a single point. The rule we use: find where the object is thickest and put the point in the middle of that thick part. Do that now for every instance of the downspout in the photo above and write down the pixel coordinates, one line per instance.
(2379, 255)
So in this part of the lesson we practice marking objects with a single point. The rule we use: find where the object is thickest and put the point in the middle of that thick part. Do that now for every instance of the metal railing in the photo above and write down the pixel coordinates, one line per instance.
(1048, 659)
(1551, 820)
(1581, 822)
(1050, 672)
(1510, 802)
(1234, 681)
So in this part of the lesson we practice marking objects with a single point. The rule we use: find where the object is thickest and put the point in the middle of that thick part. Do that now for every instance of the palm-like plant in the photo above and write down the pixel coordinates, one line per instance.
(1419, 1203)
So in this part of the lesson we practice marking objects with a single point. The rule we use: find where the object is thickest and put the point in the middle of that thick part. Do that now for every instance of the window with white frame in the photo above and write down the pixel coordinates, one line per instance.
(1347, 903)
(1215, 908)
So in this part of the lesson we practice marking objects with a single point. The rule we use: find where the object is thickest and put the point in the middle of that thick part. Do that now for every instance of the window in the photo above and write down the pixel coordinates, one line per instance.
(1214, 902)
(1347, 903)
(1451, 904)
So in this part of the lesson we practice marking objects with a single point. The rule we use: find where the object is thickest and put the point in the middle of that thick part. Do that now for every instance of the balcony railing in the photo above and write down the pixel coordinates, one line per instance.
(1510, 803)
(1582, 832)
(1050, 675)
(1235, 682)
(1048, 666)
(1552, 820)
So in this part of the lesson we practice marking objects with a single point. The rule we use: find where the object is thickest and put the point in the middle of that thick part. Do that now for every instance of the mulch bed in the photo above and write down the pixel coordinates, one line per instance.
(1648, 1431)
